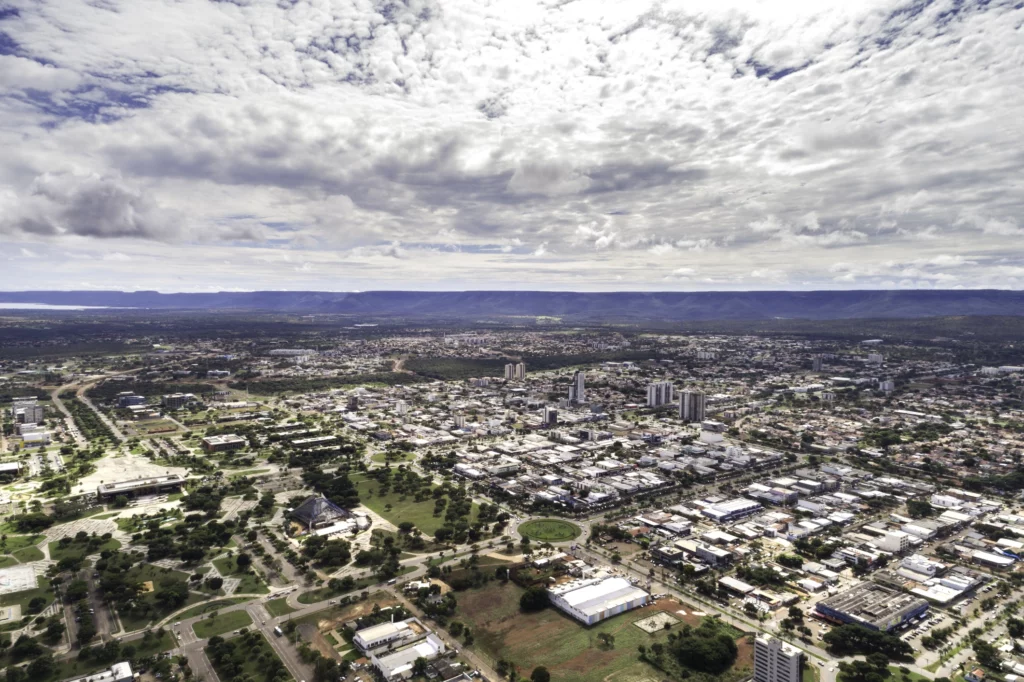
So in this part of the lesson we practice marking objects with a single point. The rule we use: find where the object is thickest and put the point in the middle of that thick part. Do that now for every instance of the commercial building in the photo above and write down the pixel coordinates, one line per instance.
(731, 510)
(176, 401)
(692, 406)
(126, 399)
(873, 606)
(776, 661)
(140, 486)
(119, 672)
(593, 600)
(577, 389)
(29, 414)
(896, 541)
(398, 665)
(659, 393)
(224, 443)
(381, 634)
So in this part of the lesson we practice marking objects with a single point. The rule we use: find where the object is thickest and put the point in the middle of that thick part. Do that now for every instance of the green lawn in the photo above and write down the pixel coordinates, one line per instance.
(251, 583)
(29, 554)
(224, 622)
(6, 561)
(382, 457)
(278, 607)
(549, 530)
(403, 508)
(25, 596)
(206, 607)
(897, 676)
(321, 593)
(80, 549)
(15, 542)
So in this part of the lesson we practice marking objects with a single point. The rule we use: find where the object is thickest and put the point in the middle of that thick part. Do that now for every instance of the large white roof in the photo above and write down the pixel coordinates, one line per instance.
(602, 595)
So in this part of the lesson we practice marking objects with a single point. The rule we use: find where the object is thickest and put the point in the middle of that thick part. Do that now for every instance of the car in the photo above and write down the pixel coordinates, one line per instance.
(832, 669)
(821, 664)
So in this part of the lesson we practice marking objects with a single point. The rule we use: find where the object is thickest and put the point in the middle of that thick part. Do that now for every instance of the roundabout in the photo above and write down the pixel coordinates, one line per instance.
(549, 530)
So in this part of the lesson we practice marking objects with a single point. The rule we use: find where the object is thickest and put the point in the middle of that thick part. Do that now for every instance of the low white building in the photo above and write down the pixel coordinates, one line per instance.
(593, 600)
(381, 634)
(398, 665)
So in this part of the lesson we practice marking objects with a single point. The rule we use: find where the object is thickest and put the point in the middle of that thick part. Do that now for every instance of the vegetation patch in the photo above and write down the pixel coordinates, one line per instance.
(549, 530)
(221, 623)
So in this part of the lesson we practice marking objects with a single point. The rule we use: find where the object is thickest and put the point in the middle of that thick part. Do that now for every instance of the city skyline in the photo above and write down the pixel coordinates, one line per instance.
(587, 146)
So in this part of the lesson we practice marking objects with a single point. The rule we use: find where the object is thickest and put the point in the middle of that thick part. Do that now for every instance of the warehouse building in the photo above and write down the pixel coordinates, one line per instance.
(595, 599)
(873, 606)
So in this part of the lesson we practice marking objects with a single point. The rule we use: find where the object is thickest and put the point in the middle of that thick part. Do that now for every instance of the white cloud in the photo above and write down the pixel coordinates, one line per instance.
(456, 143)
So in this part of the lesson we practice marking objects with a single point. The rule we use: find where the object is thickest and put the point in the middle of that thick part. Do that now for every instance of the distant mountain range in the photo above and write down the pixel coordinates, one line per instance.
(712, 305)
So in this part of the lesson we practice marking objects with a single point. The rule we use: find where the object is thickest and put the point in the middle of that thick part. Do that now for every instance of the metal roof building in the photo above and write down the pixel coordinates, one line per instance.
(873, 606)
(593, 600)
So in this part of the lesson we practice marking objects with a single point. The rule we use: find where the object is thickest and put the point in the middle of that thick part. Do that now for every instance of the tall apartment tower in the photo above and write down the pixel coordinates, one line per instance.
(816, 363)
(775, 661)
(550, 416)
(577, 390)
(691, 406)
(515, 371)
(659, 394)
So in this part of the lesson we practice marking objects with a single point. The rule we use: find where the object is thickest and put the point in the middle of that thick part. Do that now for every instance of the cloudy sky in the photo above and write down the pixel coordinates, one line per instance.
(193, 145)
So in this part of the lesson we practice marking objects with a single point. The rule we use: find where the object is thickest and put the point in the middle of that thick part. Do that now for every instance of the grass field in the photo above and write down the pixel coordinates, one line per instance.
(251, 583)
(402, 509)
(224, 622)
(549, 530)
(6, 561)
(382, 457)
(25, 596)
(569, 650)
(203, 609)
(80, 549)
(278, 607)
(151, 573)
(29, 554)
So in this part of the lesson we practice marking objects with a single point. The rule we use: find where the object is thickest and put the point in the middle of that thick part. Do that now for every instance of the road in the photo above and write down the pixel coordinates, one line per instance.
(69, 422)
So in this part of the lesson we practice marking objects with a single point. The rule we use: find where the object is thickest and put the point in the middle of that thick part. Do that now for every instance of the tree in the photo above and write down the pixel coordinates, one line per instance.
(120, 502)
(918, 509)
(243, 561)
(540, 674)
(41, 668)
(607, 640)
(215, 583)
(534, 599)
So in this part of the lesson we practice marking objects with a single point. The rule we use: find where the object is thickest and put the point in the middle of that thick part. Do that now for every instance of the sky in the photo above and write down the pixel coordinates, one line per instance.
(589, 145)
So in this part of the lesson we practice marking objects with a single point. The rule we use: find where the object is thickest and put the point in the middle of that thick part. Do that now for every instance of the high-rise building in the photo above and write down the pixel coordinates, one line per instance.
(550, 416)
(659, 393)
(775, 660)
(29, 414)
(691, 406)
(887, 385)
(577, 390)
(515, 371)
(876, 358)
(816, 363)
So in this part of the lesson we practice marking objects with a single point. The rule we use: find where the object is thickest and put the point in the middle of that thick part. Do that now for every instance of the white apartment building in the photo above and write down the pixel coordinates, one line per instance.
(659, 393)
(775, 661)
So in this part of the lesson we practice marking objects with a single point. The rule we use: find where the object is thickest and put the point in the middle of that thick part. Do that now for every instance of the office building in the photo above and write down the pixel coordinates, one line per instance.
(224, 443)
(550, 416)
(875, 358)
(817, 363)
(692, 406)
(775, 660)
(176, 401)
(126, 399)
(873, 606)
(577, 390)
(895, 541)
(140, 486)
(659, 394)
(29, 414)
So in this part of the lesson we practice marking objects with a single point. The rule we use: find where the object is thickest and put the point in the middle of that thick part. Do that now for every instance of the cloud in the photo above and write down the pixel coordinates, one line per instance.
(89, 206)
(520, 143)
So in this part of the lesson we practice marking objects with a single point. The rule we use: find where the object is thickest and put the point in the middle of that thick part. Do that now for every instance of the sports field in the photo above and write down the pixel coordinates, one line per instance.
(549, 530)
